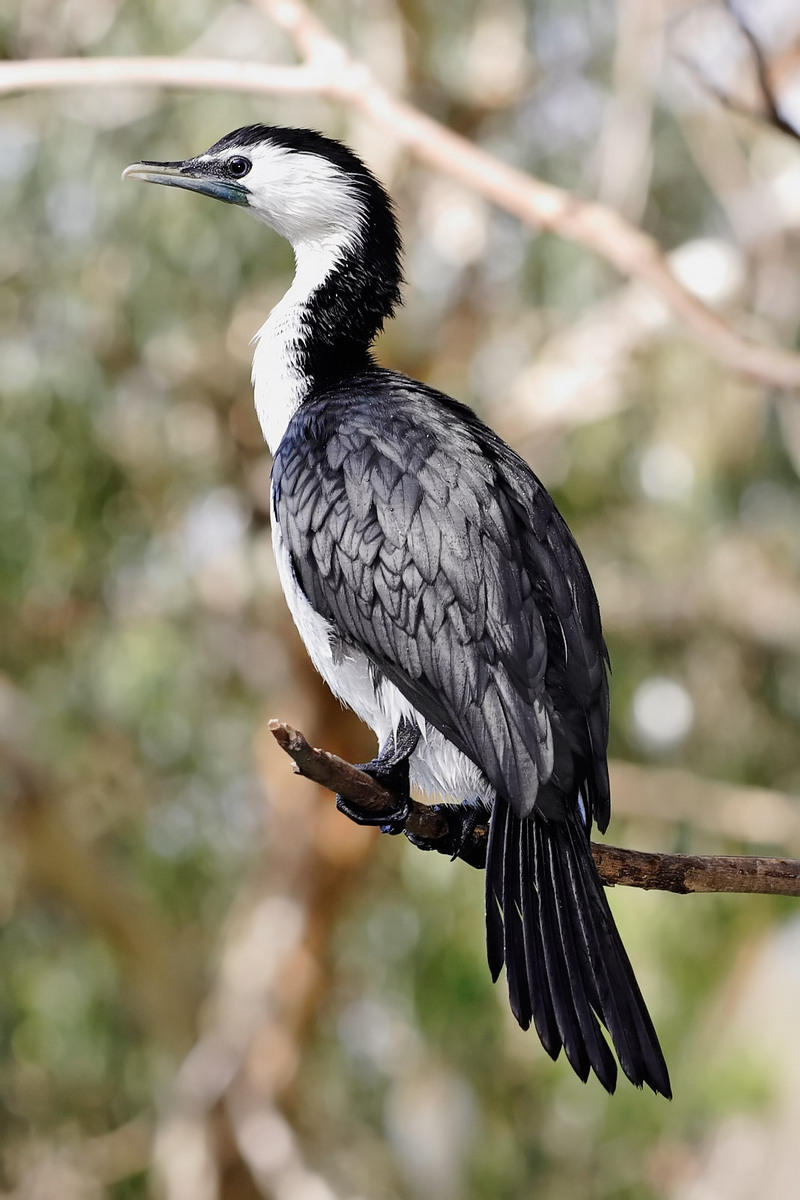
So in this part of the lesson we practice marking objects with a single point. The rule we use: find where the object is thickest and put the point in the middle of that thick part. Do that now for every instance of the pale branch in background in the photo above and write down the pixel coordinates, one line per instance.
(330, 71)
(229, 75)
(669, 796)
(542, 205)
(680, 873)
(771, 114)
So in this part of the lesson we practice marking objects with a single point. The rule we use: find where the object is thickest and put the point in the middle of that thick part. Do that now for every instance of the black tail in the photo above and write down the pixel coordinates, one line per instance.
(548, 920)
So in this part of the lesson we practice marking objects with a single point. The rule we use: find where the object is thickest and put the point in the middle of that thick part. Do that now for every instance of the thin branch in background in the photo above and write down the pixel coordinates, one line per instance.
(725, 99)
(329, 71)
(674, 798)
(538, 204)
(623, 158)
(228, 75)
(680, 873)
(771, 111)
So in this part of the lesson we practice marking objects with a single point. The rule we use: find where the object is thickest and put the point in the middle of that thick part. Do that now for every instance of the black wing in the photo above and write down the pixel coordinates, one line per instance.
(434, 549)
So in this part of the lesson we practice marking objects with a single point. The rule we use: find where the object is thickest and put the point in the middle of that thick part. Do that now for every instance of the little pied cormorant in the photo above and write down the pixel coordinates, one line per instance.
(438, 591)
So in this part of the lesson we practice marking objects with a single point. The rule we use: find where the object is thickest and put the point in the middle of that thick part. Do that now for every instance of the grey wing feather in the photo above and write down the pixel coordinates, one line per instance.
(460, 580)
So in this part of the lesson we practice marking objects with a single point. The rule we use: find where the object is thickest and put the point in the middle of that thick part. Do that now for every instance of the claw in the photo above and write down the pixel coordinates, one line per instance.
(470, 820)
(392, 823)
(390, 769)
(462, 820)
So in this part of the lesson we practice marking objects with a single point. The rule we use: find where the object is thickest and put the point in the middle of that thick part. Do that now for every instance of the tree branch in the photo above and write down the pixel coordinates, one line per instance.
(539, 204)
(680, 873)
(772, 113)
(769, 113)
(230, 75)
(342, 777)
(331, 72)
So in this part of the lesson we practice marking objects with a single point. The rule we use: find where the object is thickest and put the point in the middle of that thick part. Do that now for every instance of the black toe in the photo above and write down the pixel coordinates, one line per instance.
(392, 822)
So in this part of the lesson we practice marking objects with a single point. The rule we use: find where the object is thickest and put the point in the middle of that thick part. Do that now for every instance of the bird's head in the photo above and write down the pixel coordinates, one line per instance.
(319, 196)
(307, 187)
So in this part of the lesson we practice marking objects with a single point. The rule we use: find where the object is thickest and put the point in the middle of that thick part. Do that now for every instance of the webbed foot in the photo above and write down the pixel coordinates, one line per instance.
(390, 770)
(466, 838)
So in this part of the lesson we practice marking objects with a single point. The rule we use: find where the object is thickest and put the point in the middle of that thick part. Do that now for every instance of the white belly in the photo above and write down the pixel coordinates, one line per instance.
(436, 766)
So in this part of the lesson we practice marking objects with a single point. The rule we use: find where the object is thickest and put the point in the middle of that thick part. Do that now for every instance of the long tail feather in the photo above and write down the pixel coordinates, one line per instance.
(514, 948)
(544, 1017)
(548, 920)
(495, 871)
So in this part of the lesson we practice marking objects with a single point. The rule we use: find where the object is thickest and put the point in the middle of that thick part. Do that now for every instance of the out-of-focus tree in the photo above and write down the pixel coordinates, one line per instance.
(211, 984)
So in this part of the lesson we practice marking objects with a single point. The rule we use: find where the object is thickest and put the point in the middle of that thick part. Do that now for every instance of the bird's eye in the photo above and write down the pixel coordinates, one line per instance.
(238, 166)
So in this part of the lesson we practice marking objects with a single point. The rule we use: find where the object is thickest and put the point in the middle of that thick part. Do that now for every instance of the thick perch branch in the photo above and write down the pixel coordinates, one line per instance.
(632, 868)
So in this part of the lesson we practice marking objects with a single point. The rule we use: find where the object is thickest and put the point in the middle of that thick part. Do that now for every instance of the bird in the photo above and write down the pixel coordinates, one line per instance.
(439, 593)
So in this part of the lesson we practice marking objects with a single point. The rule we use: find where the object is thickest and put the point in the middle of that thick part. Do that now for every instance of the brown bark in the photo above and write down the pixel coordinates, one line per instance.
(680, 873)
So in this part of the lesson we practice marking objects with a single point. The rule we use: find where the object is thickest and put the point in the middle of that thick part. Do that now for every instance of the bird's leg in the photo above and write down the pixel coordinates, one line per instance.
(465, 840)
(390, 769)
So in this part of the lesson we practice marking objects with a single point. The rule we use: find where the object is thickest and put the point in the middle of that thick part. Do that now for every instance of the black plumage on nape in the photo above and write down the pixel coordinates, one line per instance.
(348, 308)
(439, 593)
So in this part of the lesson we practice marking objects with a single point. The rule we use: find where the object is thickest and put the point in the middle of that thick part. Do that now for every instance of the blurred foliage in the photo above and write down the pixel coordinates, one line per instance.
(143, 638)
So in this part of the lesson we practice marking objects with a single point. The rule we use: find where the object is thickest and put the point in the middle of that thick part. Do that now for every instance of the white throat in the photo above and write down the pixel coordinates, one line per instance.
(280, 382)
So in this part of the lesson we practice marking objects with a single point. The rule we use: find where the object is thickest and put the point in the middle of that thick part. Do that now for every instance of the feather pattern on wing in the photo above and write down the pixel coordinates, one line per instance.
(435, 551)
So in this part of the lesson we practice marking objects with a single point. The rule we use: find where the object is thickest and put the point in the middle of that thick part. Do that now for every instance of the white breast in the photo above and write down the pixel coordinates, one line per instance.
(437, 767)
(280, 386)
(279, 381)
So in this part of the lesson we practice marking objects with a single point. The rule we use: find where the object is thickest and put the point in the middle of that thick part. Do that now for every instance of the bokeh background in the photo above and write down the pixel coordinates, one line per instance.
(211, 985)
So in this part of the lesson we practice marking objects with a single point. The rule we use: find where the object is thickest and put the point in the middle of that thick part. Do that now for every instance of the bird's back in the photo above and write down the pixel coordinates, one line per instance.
(436, 550)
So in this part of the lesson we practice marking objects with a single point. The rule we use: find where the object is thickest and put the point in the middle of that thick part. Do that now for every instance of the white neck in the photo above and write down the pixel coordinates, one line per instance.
(279, 381)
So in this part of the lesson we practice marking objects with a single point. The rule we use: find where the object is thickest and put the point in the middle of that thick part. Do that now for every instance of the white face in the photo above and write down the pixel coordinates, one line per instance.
(302, 196)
